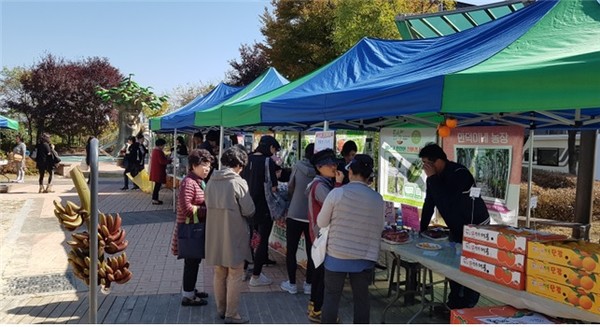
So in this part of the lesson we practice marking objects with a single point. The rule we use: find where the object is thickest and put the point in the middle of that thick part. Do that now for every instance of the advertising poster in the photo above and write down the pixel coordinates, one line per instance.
(493, 155)
(341, 136)
(402, 179)
(289, 147)
(277, 242)
(324, 140)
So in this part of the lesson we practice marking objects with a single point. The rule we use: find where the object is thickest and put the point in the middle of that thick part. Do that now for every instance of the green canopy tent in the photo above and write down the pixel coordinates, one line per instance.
(8, 123)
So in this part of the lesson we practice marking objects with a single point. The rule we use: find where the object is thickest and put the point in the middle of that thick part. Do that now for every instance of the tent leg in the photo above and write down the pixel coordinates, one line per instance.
(585, 182)
(529, 177)
(221, 135)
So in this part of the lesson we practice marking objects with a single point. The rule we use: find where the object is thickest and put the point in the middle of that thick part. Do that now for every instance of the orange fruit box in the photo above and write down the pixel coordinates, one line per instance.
(576, 278)
(498, 315)
(574, 254)
(506, 238)
(494, 256)
(496, 274)
(564, 294)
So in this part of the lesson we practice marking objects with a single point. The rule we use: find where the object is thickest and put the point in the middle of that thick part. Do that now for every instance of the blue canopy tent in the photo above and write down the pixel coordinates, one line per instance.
(182, 118)
(376, 82)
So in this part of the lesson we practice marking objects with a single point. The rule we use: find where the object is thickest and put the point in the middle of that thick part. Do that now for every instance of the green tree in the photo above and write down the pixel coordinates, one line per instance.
(299, 36)
(130, 99)
(356, 19)
(184, 94)
(13, 98)
(253, 62)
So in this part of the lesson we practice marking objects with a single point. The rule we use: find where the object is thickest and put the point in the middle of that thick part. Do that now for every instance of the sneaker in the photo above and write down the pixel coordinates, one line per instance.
(307, 288)
(247, 274)
(314, 316)
(262, 280)
(195, 301)
(289, 287)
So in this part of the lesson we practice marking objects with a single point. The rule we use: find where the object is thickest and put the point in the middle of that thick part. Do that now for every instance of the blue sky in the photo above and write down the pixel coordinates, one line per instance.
(164, 43)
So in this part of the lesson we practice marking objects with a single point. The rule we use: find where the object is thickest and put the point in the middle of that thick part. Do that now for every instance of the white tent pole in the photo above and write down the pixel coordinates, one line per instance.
(529, 177)
(221, 135)
(325, 125)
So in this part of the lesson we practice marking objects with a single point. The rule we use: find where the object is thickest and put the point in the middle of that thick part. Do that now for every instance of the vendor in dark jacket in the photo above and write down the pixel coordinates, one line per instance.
(448, 189)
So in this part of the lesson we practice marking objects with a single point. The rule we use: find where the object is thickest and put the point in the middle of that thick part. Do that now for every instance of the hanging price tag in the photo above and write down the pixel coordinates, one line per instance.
(533, 202)
(475, 192)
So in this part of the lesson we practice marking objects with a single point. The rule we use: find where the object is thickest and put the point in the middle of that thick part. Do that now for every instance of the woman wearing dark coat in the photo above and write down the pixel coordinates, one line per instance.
(45, 162)
(158, 168)
(254, 174)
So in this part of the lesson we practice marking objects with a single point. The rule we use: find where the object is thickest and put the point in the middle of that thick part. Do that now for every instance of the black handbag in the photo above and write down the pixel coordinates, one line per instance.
(190, 239)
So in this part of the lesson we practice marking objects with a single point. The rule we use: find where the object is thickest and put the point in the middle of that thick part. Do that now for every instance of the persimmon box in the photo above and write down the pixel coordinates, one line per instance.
(564, 294)
(506, 238)
(493, 255)
(590, 282)
(498, 315)
(491, 272)
(573, 254)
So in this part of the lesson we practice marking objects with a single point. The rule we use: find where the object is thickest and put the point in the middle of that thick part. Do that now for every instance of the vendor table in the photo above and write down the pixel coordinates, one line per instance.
(446, 262)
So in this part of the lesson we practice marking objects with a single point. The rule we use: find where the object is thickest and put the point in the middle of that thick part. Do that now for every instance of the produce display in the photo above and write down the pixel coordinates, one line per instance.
(436, 233)
(395, 236)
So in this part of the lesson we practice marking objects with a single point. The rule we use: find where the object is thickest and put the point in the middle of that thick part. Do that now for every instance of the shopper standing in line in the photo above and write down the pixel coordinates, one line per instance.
(254, 174)
(326, 179)
(354, 214)
(303, 173)
(190, 203)
(228, 208)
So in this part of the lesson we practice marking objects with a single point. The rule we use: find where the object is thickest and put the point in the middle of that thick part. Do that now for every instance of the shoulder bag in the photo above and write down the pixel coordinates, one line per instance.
(276, 201)
(190, 239)
(319, 247)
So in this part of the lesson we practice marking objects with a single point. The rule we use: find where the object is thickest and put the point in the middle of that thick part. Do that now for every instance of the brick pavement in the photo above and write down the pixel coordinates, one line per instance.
(37, 285)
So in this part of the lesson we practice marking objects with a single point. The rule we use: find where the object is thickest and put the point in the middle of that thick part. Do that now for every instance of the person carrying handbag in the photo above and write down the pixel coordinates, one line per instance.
(19, 158)
(189, 233)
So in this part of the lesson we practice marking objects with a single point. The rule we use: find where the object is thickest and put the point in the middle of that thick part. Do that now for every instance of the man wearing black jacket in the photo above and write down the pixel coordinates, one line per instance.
(448, 189)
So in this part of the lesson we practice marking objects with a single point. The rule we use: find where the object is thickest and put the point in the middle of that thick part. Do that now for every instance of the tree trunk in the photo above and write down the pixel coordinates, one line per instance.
(128, 126)
(572, 152)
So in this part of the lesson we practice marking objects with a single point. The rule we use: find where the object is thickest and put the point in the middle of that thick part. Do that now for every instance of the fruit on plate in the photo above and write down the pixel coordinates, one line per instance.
(436, 232)
(399, 236)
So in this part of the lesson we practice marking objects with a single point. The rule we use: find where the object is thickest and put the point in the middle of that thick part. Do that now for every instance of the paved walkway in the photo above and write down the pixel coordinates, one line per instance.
(37, 285)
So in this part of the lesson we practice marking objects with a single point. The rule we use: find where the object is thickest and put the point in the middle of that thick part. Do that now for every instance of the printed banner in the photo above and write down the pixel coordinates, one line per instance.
(324, 140)
(401, 175)
(277, 242)
(493, 155)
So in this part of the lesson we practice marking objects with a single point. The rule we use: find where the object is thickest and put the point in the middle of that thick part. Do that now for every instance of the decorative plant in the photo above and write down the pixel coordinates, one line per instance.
(111, 238)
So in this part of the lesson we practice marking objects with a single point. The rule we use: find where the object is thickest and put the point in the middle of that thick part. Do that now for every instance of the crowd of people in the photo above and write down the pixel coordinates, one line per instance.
(230, 206)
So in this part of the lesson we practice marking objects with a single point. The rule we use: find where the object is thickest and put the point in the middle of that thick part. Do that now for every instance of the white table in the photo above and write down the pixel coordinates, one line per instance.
(446, 262)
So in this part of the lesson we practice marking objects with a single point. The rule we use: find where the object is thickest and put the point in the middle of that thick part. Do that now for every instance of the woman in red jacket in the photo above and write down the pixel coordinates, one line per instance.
(191, 203)
(158, 168)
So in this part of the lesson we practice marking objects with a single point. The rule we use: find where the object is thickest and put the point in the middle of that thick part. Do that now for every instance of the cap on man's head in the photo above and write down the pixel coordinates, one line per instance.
(323, 157)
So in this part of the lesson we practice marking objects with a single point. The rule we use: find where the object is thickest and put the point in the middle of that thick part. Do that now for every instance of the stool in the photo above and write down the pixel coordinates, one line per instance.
(412, 276)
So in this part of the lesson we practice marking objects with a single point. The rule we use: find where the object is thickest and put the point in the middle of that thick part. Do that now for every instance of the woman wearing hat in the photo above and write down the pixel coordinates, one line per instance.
(325, 165)
(254, 174)
(351, 251)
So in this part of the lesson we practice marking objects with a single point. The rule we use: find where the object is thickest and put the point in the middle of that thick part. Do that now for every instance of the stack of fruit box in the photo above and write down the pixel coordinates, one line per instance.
(565, 271)
(498, 315)
(498, 253)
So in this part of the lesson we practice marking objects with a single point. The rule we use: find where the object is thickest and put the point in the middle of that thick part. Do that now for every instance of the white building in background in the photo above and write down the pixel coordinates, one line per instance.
(550, 152)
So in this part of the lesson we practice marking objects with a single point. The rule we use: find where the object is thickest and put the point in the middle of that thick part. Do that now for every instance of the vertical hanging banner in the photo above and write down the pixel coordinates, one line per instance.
(493, 155)
(401, 175)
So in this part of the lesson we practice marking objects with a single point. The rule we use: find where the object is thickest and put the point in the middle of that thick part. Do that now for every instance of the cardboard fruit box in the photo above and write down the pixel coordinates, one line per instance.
(577, 278)
(573, 254)
(496, 274)
(567, 295)
(506, 238)
(498, 315)
(503, 258)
